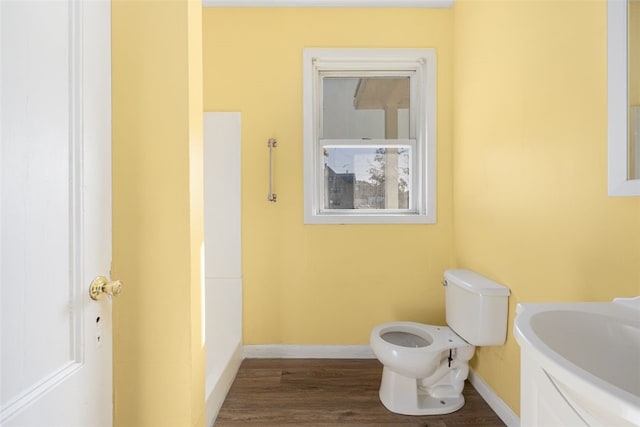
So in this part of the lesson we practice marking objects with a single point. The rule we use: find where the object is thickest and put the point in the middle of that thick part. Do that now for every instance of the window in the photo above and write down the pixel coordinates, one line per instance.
(369, 136)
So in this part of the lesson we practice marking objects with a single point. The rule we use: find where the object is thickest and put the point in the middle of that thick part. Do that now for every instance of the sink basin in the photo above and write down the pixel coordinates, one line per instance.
(580, 362)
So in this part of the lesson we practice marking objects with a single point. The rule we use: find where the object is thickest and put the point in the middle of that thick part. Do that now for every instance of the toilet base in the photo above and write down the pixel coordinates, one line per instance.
(401, 395)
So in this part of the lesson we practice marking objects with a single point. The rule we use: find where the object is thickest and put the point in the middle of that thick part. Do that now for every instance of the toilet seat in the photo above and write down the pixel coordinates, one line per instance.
(429, 338)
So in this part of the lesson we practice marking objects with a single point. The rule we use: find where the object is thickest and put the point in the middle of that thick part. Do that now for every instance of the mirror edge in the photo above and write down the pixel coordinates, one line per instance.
(617, 98)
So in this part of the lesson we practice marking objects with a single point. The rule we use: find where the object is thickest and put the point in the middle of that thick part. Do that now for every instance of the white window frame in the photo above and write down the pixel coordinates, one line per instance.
(420, 64)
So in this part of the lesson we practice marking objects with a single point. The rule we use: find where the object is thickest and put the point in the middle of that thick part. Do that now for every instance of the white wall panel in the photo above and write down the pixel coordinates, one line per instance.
(223, 253)
(222, 195)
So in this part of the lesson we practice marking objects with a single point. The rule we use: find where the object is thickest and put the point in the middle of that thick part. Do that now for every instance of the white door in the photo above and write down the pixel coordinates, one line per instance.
(55, 212)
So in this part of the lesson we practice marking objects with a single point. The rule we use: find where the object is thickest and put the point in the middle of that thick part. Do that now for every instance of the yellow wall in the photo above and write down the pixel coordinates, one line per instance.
(317, 284)
(530, 163)
(157, 213)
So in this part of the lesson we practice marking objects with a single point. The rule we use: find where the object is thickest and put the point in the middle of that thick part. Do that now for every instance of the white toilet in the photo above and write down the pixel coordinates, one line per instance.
(425, 366)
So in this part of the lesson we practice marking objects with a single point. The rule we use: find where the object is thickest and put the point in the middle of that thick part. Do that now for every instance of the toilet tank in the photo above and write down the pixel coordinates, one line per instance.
(476, 307)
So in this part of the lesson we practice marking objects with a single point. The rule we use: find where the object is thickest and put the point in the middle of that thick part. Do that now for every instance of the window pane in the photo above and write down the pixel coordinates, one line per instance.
(367, 107)
(367, 177)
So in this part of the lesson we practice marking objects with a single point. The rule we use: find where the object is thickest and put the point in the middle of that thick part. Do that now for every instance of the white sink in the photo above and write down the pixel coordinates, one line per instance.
(580, 363)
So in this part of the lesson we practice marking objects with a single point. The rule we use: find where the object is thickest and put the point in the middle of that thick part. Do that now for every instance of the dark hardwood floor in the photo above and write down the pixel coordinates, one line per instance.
(328, 392)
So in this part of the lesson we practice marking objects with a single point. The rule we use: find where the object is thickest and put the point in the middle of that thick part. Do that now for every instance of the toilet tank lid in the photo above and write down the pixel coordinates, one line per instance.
(473, 282)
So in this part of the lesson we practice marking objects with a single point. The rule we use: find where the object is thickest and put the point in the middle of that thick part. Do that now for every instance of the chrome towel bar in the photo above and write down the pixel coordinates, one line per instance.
(272, 143)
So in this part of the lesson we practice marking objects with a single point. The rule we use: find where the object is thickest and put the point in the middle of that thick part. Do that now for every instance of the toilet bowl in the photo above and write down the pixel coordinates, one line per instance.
(425, 366)
(412, 349)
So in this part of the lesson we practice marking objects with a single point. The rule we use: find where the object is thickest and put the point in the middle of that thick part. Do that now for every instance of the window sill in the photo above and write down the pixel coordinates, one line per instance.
(330, 218)
(329, 3)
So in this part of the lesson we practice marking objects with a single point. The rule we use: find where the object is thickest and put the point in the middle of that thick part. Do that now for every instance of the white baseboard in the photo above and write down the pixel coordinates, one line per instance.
(308, 352)
(216, 390)
(493, 400)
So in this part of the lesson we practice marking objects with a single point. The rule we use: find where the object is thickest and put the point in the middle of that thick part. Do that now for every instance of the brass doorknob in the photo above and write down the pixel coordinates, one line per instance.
(101, 287)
